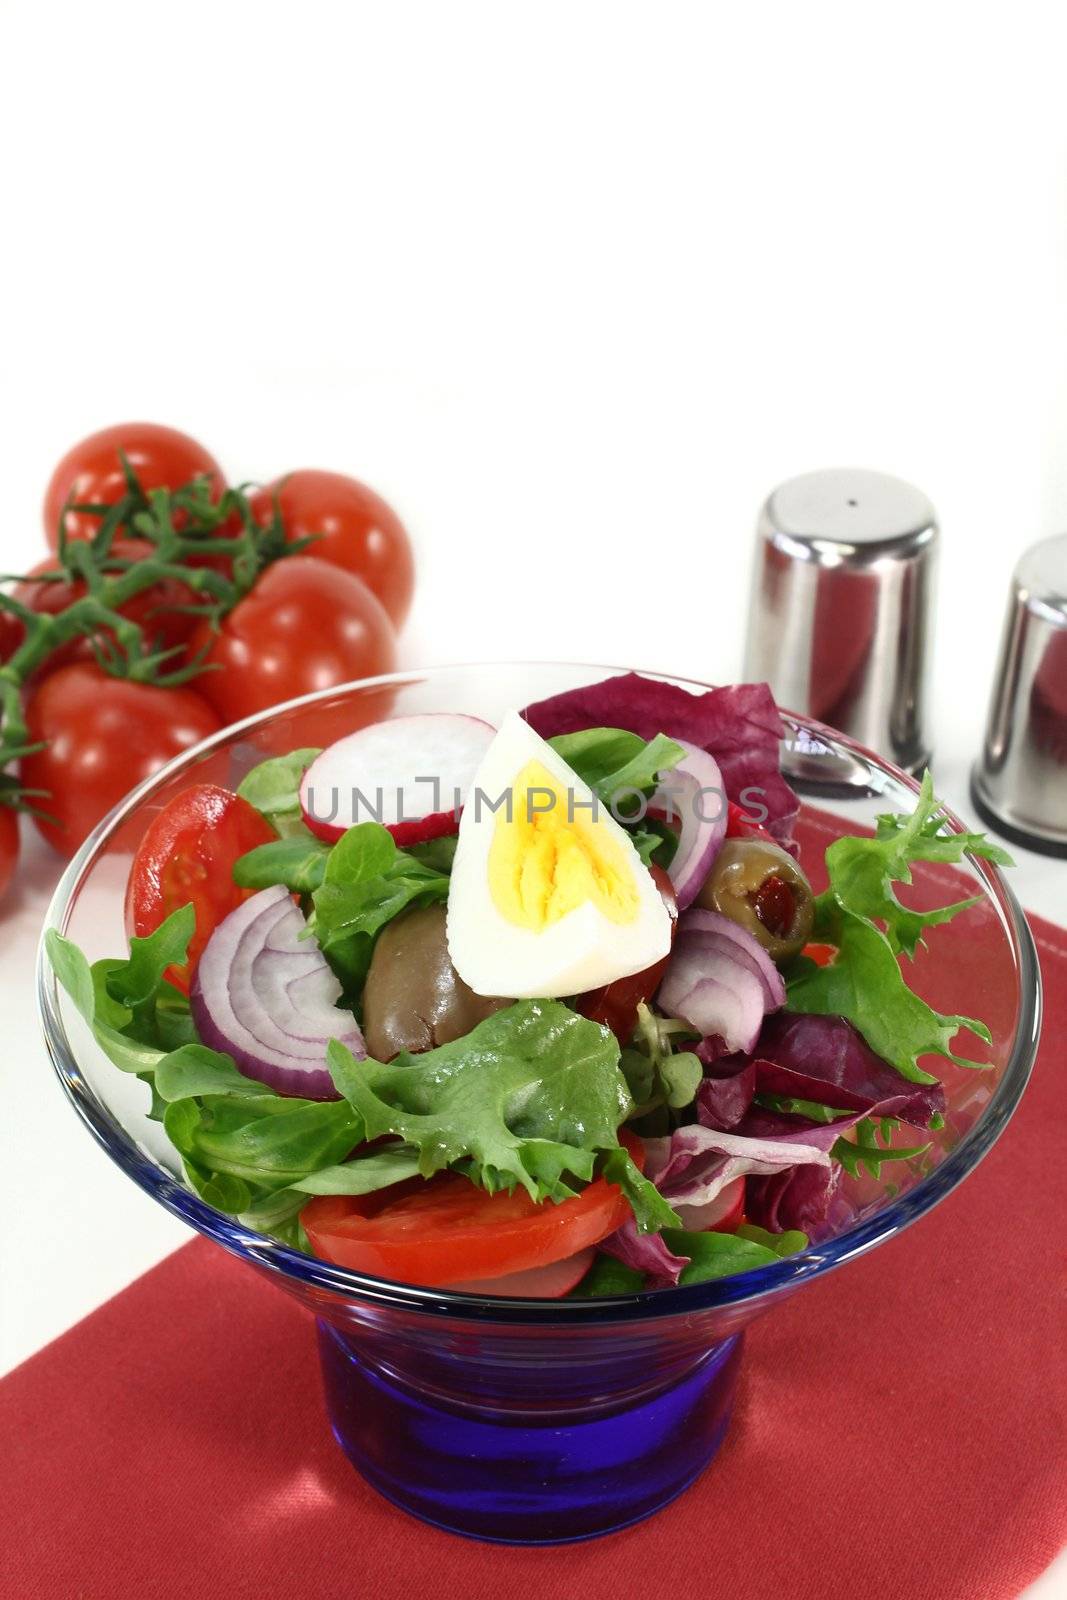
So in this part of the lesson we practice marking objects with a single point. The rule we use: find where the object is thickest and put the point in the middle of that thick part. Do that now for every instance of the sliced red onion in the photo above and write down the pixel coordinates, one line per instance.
(410, 773)
(712, 925)
(692, 793)
(720, 980)
(264, 994)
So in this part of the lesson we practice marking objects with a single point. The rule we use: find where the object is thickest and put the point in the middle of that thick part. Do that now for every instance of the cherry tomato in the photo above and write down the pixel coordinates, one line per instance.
(358, 531)
(101, 736)
(447, 1230)
(91, 472)
(739, 825)
(615, 1005)
(9, 846)
(187, 855)
(164, 627)
(304, 626)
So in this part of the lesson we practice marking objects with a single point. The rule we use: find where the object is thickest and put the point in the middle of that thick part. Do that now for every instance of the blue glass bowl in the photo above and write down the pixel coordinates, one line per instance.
(542, 1421)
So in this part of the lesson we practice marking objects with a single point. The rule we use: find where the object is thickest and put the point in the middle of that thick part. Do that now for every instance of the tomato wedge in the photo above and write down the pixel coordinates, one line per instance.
(446, 1231)
(615, 1005)
(187, 854)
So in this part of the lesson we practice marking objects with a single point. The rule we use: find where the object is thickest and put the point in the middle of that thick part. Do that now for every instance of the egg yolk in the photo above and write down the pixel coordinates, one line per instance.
(548, 857)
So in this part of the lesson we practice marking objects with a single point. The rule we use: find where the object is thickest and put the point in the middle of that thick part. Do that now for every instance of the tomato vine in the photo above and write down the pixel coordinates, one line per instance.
(184, 526)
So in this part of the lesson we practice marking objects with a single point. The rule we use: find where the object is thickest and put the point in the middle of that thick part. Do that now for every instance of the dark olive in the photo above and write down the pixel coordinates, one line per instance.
(758, 885)
(414, 998)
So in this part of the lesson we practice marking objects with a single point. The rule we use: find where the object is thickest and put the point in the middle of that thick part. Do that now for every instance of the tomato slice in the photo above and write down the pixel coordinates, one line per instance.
(446, 1231)
(187, 854)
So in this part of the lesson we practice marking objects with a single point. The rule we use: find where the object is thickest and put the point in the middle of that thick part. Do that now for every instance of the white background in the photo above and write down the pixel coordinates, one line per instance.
(574, 285)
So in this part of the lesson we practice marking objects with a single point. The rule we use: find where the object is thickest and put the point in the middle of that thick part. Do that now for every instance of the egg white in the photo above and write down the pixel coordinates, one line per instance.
(584, 949)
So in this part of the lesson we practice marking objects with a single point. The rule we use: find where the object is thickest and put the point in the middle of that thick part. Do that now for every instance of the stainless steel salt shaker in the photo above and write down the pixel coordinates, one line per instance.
(1019, 782)
(840, 614)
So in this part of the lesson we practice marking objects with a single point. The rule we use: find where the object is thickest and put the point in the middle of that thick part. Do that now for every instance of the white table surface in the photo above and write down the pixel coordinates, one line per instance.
(574, 286)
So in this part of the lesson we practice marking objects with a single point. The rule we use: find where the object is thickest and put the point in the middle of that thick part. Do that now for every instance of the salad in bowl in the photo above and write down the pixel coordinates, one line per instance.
(540, 1007)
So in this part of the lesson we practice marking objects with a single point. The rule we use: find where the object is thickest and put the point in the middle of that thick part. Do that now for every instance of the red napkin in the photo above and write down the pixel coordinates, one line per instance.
(901, 1429)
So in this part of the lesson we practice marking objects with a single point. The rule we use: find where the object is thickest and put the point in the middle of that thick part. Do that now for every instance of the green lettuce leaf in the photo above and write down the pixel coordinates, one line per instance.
(864, 983)
(651, 1211)
(863, 871)
(606, 1277)
(721, 1255)
(527, 1097)
(865, 1151)
(274, 789)
(367, 882)
(861, 916)
(610, 759)
(299, 862)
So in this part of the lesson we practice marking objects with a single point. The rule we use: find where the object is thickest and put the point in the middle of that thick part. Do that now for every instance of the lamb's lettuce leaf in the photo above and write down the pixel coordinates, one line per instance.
(299, 862)
(366, 883)
(274, 789)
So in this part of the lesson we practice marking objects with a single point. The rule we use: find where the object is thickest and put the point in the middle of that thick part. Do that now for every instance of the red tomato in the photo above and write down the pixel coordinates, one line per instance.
(739, 825)
(164, 627)
(615, 1005)
(304, 626)
(359, 531)
(91, 472)
(187, 855)
(101, 736)
(9, 846)
(447, 1230)
(821, 954)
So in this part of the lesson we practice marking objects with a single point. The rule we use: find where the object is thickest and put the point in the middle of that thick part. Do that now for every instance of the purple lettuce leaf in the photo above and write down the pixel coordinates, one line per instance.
(738, 724)
(695, 1164)
(692, 1167)
(727, 1088)
(817, 1058)
(799, 1197)
(647, 1253)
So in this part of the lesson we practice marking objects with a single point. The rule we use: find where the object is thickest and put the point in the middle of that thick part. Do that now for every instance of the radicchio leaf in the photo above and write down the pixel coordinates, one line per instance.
(738, 724)
(813, 1058)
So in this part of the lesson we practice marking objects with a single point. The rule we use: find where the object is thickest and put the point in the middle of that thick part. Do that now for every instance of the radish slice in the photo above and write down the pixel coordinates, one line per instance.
(411, 773)
(536, 1283)
(692, 793)
(721, 1215)
(265, 995)
(720, 981)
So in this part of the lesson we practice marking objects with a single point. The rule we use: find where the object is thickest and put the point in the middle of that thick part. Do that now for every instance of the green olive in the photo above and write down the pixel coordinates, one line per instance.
(758, 885)
(414, 998)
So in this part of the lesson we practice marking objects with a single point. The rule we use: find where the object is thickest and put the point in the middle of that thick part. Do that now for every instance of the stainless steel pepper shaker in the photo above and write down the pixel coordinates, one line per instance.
(1019, 783)
(841, 602)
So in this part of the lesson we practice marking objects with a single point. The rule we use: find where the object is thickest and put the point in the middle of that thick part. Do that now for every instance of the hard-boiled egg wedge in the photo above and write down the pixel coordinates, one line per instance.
(548, 895)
